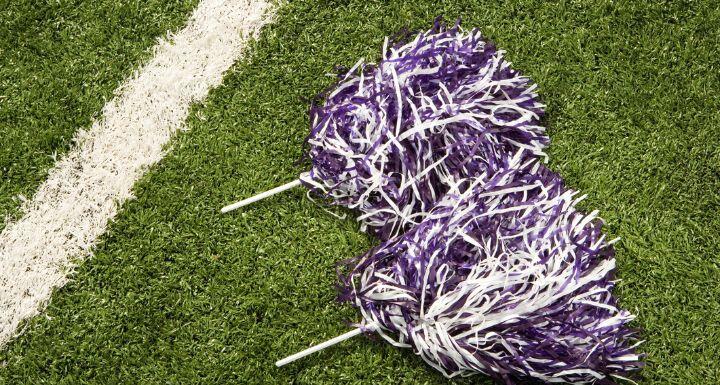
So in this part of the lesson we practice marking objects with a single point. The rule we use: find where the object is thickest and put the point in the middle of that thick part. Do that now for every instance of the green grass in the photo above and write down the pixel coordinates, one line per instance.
(59, 63)
(178, 293)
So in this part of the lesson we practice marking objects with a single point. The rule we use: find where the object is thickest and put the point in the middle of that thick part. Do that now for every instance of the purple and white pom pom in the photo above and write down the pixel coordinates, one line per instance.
(503, 277)
(391, 138)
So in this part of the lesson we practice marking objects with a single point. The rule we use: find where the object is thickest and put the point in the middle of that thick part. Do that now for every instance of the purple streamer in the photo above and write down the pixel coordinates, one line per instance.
(390, 138)
(485, 264)
(503, 277)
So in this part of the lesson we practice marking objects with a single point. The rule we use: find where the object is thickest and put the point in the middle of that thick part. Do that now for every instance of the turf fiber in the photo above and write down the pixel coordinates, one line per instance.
(59, 63)
(178, 293)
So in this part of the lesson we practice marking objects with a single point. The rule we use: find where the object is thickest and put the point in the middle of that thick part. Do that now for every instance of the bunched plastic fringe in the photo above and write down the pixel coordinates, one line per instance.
(504, 277)
(391, 139)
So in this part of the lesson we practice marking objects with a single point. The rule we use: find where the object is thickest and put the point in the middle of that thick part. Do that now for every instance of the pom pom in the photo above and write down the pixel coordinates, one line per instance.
(504, 277)
(391, 138)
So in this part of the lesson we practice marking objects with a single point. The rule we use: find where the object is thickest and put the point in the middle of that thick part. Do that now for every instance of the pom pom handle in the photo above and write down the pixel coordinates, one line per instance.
(323, 345)
(260, 196)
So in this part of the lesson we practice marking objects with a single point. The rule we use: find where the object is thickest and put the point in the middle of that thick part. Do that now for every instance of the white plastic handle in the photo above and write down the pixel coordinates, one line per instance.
(323, 345)
(260, 196)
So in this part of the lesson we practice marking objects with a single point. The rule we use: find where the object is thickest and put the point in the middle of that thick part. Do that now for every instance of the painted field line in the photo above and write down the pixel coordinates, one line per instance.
(71, 209)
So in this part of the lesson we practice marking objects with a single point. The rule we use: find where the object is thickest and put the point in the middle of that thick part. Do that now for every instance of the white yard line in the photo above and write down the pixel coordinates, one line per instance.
(84, 190)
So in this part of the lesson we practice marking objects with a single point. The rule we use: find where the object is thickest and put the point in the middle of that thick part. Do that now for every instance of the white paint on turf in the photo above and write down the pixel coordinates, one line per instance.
(84, 189)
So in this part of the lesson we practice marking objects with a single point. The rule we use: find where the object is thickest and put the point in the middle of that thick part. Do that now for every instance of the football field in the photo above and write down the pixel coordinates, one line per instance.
(198, 103)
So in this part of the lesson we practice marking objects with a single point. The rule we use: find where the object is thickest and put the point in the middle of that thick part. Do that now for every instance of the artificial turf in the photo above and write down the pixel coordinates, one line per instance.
(59, 63)
(178, 293)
